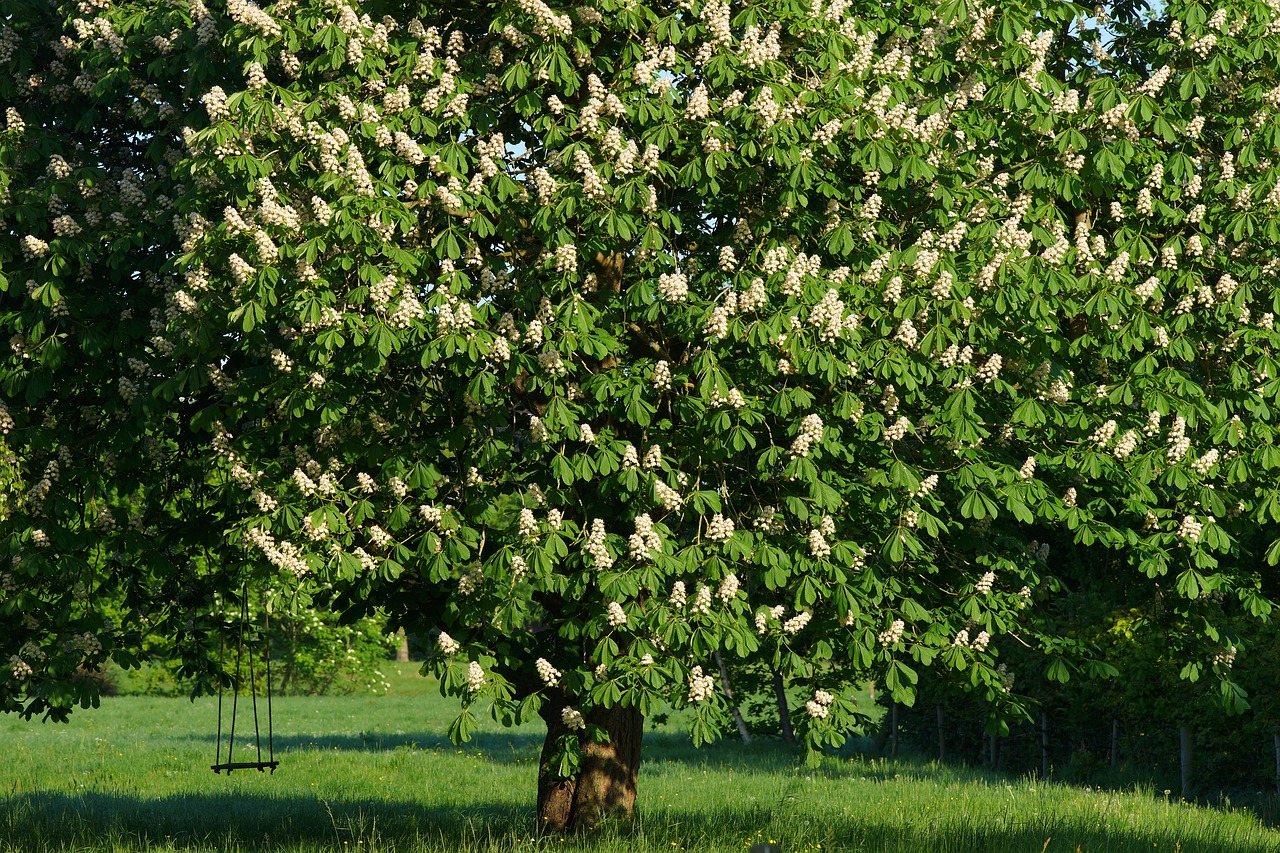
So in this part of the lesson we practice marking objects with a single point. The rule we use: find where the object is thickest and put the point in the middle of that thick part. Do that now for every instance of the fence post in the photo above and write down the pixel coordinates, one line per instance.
(1275, 742)
(1044, 744)
(1115, 742)
(942, 735)
(1184, 739)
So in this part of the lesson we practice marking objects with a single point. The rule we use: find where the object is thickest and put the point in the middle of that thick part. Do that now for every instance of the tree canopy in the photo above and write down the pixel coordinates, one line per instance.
(596, 339)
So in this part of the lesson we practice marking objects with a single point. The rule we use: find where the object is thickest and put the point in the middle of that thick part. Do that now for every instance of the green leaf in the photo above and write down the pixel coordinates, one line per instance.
(1058, 671)
(461, 729)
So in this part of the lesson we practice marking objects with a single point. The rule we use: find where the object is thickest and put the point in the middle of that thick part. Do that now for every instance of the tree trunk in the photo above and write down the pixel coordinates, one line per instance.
(893, 730)
(784, 713)
(743, 731)
(402, 651)
(606, 780)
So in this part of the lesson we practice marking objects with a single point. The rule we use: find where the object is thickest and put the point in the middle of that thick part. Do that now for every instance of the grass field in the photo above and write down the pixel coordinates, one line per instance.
(365, 773)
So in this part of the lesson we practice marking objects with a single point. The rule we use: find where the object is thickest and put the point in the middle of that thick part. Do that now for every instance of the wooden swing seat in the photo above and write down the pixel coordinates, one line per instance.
(245, 765)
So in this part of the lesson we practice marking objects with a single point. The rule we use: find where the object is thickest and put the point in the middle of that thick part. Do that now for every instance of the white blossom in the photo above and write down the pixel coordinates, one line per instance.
(797, 623)
(892, 634)
(475, 677)
(700, 686)
(447, 645)
(720, 528)
(572, 718)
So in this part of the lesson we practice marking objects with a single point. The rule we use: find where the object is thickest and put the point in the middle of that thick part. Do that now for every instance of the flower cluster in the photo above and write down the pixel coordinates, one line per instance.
(1127, 443)
(1225, 657)
(645, 542)
(1189, 529)
(594, 545)
(20, 668)
(282, 555)
(476, 679)
(662, 376)
(616, 615)
(667, 496)
(818, 545)
(898, 429)
(701, 600)
(573, 719)
(1204, 464)
(528, 526)
(810, 434)
(673, 287)
(828, 317)
(700, 686)
(1179, 443)
(447, 644)
(797, 623)
(891, 635)
(820, 705)
(720, 528)
(652, 457)
(991, 369)
(728, 588)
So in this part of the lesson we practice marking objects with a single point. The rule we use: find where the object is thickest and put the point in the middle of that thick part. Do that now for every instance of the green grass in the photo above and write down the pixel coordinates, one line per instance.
(377, 773)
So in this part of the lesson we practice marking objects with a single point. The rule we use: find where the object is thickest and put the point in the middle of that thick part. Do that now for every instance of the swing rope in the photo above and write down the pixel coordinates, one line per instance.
(231, 764)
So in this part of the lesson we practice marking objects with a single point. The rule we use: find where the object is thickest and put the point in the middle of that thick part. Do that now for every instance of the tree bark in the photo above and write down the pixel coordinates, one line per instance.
(402, 651)
(606, 780)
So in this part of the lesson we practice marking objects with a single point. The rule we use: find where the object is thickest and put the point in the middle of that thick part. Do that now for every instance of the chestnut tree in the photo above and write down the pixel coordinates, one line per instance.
(592, 339)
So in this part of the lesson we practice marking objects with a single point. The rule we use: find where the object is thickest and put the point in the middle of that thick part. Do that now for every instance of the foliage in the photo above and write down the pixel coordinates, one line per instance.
(312, 654)
(1137, 713)
(596, 340)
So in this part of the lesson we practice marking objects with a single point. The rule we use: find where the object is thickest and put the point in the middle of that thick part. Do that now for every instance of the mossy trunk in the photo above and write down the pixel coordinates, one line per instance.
(606, 780)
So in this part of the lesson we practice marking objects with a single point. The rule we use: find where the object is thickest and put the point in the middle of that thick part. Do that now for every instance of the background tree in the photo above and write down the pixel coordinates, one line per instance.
(594, 340)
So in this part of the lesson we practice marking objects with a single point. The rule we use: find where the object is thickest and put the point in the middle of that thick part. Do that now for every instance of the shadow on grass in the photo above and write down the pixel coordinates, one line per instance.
(51, 821)
(521, 745)
(39, 822)
(496, 746)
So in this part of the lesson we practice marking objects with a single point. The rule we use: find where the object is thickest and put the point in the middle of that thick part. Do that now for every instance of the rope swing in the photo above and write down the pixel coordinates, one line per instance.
(230, 764)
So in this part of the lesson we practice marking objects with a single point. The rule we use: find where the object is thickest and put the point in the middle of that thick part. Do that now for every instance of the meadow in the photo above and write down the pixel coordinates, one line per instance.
(377, 773)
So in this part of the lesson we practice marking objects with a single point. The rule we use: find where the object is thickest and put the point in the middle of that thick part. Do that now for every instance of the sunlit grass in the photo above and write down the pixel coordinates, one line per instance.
(377, 773)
